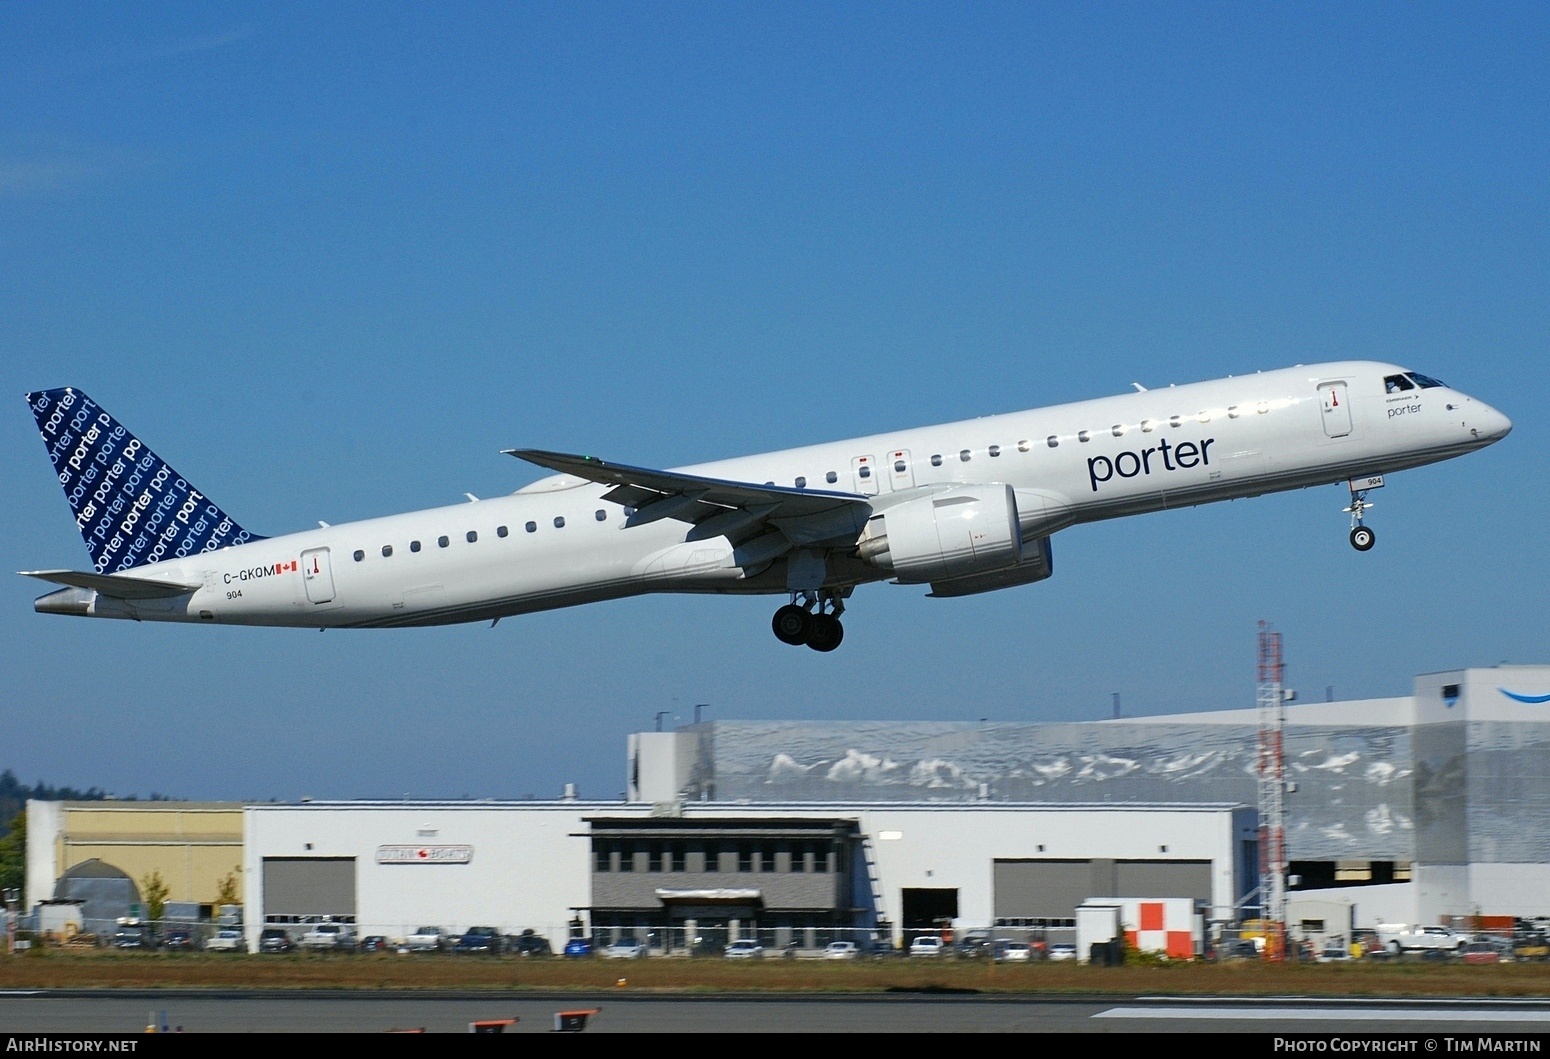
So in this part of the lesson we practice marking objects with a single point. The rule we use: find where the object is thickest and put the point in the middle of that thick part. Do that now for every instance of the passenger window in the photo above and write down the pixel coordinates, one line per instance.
(442, 542)
(359, 555)
(1052, 441)
(1024, 446)
(936, 459)
(1232, 411)
(1175, 421)
(387, 550)
(963, 455)
(801, 483)
(1397, 384)
(1146, 426)
(1264, 406)
(898, 465)
(831, 477)
(995, 450)
(1204, 417)
(500, 531)
(1082, 435)
(472, 536)
(531, 527)
(1118, 430)
(864, 472)
(559, 522)
(414, 546)
(601, 515)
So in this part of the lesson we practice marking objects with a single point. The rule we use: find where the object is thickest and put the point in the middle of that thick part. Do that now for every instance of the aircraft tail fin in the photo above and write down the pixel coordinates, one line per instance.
(131, 508)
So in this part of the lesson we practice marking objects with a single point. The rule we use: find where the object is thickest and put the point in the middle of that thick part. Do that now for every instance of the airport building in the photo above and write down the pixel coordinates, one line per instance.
(1410, 809)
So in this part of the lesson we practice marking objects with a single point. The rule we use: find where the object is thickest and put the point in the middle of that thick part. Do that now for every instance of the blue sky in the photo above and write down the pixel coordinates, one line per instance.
(329, 259)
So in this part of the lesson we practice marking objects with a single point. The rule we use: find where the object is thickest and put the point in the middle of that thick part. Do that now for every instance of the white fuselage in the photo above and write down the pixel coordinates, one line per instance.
(558, 542)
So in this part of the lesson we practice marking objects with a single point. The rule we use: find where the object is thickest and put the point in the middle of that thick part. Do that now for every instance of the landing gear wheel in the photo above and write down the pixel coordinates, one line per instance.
(1362, 538)
(793, 625)
(825, 633)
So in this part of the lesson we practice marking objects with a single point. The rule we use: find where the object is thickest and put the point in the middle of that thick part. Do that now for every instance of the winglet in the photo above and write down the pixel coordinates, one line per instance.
(131, 508)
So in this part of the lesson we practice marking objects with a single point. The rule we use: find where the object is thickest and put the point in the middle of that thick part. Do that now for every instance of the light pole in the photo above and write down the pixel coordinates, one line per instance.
(11, 897)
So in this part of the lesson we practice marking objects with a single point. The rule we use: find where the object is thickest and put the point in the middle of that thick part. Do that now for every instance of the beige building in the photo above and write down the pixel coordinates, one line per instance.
(193, 845)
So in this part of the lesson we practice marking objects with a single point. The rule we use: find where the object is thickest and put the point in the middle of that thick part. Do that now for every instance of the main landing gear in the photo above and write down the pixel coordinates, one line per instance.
(1362, 538)
(811, 619)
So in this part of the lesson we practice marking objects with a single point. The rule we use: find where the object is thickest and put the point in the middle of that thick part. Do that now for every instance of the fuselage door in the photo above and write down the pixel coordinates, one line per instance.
(1337, 411)
(900, 474)
(317, 575)
(864, 470)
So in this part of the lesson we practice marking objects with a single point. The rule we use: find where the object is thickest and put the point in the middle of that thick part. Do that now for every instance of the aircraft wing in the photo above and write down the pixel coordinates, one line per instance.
(691, 497)
(119, 587)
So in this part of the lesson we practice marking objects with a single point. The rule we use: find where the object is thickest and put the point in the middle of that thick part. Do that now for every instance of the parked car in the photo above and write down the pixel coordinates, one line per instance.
(744, 949)
(1065, 952)
(330, 936)
(426, 939)
(926, 945)
(625, 949)
(528, 943)
(133, 934)
(486, 940)
(227, 941)
(841, 950)
(375, 943)
(178, 939)
(275, 939)
(578, 947)
(1014, 952)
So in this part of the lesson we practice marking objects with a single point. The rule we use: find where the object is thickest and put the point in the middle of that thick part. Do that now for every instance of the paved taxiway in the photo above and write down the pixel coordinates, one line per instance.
(116, 1011)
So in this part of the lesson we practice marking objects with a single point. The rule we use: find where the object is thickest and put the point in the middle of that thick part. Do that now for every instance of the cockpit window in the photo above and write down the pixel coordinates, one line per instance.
(1426, 382)
(1397, 384)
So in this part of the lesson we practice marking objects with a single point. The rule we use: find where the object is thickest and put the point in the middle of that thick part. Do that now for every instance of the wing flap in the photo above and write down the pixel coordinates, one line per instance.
(117, 586)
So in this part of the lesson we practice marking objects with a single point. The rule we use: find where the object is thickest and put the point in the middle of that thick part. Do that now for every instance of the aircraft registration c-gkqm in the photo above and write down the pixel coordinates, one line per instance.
(965, 507)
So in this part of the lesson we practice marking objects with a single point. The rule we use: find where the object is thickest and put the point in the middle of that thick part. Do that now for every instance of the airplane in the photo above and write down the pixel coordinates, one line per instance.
(965, 508)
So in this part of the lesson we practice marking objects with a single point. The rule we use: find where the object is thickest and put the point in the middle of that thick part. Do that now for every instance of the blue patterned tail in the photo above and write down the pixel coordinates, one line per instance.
(131, 508)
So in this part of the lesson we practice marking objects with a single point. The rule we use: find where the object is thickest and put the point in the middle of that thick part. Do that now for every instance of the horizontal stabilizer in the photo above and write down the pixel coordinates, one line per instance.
(119, 587)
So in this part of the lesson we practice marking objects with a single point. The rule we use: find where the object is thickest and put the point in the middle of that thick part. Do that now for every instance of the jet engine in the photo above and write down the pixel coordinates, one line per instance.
(957, 532)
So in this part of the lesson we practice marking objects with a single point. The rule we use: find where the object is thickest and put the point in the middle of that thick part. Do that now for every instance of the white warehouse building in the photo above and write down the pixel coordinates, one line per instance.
(802, 874)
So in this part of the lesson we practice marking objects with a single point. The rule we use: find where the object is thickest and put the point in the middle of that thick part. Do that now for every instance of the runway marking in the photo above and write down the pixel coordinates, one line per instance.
(1329, 1014)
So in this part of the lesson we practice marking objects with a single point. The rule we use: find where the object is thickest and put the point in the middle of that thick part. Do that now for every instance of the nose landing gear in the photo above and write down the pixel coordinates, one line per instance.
(1362, 538)
(814, 621)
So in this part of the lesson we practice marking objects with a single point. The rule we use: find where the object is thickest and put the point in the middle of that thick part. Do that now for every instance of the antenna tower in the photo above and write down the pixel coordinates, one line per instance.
(1272, 792)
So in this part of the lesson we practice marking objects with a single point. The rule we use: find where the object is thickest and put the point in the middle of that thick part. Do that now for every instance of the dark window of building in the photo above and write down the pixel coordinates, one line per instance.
(680, 859)
(745, 858)
(712, 857)
(654, 857)
(602, 852)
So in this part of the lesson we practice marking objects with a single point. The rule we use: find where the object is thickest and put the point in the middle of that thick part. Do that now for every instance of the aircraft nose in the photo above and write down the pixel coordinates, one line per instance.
(1492, 425)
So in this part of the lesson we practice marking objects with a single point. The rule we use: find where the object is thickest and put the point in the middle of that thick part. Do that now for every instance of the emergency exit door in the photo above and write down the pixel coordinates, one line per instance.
(1337, 411)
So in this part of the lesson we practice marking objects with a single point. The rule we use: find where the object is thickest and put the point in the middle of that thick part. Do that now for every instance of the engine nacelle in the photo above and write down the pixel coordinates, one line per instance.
(1038, 563)
(957, 532)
